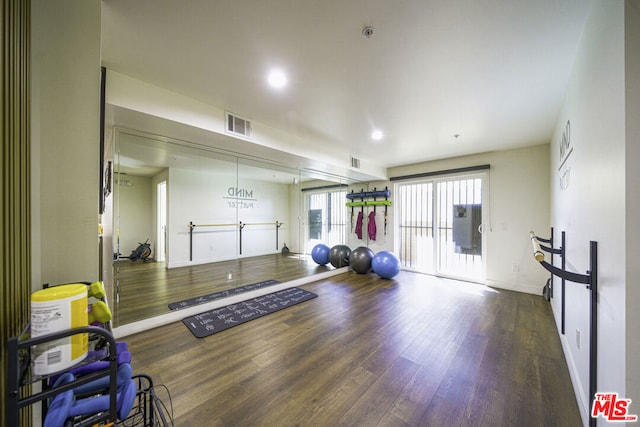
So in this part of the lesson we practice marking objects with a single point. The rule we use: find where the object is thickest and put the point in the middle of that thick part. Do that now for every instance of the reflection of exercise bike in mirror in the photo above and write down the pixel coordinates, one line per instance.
(143, 252)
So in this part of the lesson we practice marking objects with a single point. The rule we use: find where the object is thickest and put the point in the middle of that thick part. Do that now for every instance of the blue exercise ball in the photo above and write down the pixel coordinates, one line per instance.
(320, 254)
(360, 260)
(339, 256)
(385, 264)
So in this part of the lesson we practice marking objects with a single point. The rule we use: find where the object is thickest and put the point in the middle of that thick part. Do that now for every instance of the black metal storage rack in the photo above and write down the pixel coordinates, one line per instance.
(18, 375)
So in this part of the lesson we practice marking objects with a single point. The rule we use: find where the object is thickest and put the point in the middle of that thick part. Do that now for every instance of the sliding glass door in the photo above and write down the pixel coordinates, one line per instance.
(415, 210)
(326, 218)
(459, 228)
(440, 226)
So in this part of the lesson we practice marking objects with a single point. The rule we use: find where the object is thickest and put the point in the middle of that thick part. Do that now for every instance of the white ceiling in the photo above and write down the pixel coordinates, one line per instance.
(493, 72)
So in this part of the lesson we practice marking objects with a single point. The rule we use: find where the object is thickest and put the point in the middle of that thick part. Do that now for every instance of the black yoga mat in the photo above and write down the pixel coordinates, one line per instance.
(222, 294)
(211, 322)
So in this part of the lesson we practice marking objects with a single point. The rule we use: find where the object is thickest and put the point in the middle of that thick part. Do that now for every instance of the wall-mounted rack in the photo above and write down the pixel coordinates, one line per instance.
(539, 256)
(369, 203)
(240, 226)
(590, 279)
(369, 194)
(362, 203)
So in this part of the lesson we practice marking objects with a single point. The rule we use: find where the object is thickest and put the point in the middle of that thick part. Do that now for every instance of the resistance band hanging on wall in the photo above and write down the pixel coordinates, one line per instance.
(359, 221)
(371, 225)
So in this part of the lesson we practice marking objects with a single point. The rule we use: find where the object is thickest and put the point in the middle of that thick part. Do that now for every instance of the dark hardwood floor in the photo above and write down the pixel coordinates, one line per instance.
(413, 351)
(147, 288)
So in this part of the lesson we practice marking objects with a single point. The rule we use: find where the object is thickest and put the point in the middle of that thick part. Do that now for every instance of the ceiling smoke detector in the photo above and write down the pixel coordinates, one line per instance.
(367, 32)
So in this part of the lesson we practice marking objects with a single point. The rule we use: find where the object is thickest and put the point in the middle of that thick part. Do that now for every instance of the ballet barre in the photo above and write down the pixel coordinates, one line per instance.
(241, 225)
(192, 225)
(590, 279)
(585, 279)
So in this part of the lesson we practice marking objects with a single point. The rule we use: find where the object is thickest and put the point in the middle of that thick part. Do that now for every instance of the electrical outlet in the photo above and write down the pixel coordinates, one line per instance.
(578, 338)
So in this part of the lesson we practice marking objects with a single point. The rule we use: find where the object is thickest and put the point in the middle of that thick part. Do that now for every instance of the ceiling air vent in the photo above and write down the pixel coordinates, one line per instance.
(238, 126)
(355, 163)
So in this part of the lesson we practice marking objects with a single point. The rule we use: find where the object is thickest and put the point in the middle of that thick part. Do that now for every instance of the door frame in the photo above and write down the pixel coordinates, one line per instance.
(434, 216)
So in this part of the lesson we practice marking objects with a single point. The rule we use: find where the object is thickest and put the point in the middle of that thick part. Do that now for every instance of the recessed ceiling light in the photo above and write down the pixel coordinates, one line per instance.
(277, 79)
(377, 135)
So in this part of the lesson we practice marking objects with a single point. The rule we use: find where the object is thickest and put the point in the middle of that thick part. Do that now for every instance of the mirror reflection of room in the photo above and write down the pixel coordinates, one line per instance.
(193, 223)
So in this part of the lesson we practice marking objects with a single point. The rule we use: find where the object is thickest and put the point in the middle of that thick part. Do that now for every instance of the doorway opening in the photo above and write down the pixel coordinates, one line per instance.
(161, 247)
(327, 218)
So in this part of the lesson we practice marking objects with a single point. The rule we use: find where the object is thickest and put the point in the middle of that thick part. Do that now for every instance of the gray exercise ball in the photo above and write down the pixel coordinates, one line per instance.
(360, 260)
(339, 256)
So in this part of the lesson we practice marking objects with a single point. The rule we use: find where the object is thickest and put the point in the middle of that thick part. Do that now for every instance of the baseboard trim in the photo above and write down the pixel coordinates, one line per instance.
(518, 287)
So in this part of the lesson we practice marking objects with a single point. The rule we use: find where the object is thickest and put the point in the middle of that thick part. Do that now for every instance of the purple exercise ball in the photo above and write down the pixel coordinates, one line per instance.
(320, 253)
(385, 264)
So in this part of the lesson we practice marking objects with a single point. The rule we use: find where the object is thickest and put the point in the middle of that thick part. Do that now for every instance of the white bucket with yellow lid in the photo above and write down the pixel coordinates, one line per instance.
(57, 309)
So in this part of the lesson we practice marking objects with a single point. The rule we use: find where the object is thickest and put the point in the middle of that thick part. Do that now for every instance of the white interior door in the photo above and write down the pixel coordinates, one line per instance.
(161, 250)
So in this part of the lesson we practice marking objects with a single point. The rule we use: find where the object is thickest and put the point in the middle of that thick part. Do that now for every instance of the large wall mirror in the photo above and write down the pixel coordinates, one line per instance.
(190, 220)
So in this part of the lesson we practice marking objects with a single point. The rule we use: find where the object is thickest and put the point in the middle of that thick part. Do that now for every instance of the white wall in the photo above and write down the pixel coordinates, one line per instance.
(65, 40)
(632, 199)
(204, 198)
(65, 82)
(136, 213)
(518, 203)
(591, 195)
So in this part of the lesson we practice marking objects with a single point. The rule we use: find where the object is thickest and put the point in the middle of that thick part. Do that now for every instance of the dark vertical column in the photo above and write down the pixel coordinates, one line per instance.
(563, 265)
(191, 227)
(593, 327)
(551, 243)
(103, 185)
(15, 181)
